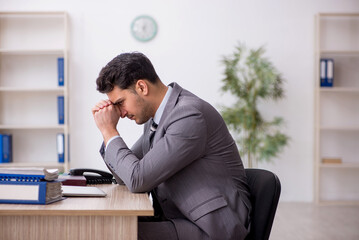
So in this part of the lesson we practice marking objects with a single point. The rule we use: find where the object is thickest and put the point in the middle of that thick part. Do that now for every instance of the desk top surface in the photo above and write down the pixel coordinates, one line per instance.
(118, 202)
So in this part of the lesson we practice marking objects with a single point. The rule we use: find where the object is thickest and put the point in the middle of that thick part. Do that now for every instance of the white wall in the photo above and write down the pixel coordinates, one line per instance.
(193, 36)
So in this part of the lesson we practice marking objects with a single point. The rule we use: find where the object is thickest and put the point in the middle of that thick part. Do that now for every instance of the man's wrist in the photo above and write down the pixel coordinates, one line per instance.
(107, 135)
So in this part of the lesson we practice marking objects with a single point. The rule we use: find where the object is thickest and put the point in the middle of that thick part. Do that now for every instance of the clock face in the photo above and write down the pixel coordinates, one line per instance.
(144, 28)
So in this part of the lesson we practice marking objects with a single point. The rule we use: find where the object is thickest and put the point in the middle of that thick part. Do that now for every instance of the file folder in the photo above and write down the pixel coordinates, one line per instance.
(60, 147)
(326, 72)
(60, 71)
(61, 109)
(5, 148)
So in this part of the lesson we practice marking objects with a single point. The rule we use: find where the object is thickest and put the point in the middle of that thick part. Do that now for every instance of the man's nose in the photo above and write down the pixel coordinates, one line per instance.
(123, 113)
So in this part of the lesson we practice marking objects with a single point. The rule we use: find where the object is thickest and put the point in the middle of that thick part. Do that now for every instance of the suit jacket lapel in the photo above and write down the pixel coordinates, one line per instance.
(176, 91)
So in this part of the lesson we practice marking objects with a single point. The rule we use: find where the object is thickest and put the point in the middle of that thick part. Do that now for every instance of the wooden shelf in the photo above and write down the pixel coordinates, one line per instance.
(339, 165)
(33, 127)
(31, 43)
(21, 13)
(339, 52)
(336, 112)
(339, 128)
(338, 202)
(17, 89)
(33, 164)
(338, 14)
(339, 89)
(32, 51)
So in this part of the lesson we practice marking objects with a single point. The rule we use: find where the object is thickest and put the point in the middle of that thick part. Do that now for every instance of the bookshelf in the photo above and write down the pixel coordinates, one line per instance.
(336, 110)
(30, 44)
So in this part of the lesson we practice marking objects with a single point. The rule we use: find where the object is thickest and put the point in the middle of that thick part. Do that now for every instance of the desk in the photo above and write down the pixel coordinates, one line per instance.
(77, 218)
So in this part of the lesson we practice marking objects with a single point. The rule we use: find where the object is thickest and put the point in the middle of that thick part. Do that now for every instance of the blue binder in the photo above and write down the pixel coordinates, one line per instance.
(330, 72)
(60, 139)
(23, 192)
(5, 148)
(61, 109)
(28, 188)
(60, 71)
(1, 149)
(326, 72)
(323, 72)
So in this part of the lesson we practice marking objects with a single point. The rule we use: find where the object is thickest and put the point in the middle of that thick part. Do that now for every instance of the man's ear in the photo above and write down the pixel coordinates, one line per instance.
(142, 87)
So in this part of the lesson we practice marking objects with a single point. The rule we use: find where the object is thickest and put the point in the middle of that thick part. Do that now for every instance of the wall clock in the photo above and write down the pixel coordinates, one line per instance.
(144, 28)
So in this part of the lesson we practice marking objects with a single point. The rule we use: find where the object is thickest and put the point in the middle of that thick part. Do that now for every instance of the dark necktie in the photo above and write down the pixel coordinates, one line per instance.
(157, 207)
(152, 131)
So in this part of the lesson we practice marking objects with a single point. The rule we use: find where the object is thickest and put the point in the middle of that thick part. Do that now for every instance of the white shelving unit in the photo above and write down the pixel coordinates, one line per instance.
(30, 44)
(337, 110)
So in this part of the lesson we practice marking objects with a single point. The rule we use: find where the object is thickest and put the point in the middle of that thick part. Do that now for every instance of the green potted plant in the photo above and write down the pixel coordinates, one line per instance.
(252, 78)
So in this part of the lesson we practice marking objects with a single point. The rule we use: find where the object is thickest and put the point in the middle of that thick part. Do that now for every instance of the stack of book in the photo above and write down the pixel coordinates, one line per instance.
(29, 185)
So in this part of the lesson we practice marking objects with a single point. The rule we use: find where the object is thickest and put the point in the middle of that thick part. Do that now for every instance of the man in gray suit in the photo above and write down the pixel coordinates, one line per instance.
(186, 157)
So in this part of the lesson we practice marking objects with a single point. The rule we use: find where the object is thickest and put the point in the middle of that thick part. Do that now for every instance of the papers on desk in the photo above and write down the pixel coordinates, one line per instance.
(29, 172)
(76, 191)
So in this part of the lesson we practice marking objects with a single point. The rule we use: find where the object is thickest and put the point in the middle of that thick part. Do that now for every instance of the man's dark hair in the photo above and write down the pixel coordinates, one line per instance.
(124, 71)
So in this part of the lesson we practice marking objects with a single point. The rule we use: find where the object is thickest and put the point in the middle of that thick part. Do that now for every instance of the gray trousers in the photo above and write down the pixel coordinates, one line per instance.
(153, 230)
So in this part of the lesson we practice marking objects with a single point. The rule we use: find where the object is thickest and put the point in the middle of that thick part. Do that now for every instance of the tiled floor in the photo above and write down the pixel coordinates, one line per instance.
(307, 221)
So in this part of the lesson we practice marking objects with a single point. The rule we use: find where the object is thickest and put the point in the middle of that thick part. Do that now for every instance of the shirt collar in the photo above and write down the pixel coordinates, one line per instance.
(161, 108)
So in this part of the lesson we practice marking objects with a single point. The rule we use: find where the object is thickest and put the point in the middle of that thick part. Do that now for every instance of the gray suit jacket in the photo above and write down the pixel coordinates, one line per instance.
(194, 167)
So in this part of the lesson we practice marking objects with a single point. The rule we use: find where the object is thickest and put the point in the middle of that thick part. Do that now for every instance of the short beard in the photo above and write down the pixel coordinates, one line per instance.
(146, 110)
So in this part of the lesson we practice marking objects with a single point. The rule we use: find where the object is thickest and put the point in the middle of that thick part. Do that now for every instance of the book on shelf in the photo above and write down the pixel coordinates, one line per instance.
(29, 186)
(5, 148)
(326, 72)
(332, 160)
(61, 109)
(60, 139)
(60, 71)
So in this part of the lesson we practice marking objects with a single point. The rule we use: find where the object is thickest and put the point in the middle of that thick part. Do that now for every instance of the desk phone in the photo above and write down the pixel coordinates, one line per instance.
(93, 176)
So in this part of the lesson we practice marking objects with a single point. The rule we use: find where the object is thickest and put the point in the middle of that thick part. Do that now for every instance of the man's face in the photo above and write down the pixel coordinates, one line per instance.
(131, 104)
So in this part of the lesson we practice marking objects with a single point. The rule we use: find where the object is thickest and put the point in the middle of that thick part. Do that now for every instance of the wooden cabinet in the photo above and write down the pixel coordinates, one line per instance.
(337, 109)
(30, 45)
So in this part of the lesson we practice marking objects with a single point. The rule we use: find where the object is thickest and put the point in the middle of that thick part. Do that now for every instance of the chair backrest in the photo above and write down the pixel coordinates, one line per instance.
(265, 189)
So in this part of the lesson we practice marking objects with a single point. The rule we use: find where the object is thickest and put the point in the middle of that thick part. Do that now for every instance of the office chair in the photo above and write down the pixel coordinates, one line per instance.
(265, 189)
